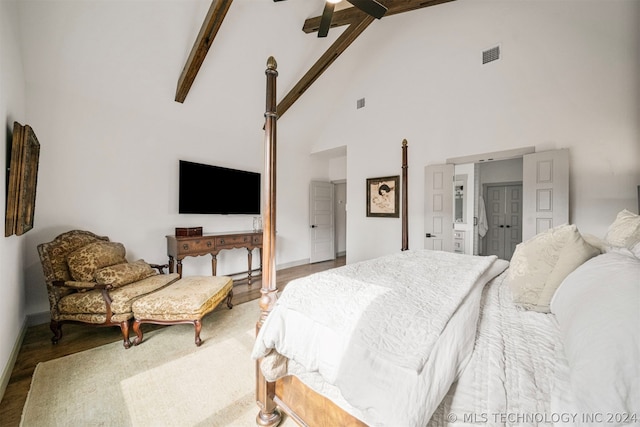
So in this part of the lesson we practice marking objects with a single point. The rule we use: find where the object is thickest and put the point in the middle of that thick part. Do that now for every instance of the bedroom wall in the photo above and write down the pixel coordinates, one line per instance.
(101, 79)
(567, 78)
(12, 249)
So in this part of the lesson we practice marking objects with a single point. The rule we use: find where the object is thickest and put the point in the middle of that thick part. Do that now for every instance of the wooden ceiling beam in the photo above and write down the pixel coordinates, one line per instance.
(348, 15)
(340, 45)
(210, 26)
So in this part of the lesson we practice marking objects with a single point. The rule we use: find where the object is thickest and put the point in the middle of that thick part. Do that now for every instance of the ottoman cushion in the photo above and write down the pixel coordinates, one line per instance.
(189, 298)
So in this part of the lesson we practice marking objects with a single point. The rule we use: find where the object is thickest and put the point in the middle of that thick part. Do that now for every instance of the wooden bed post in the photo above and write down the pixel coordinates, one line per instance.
(269, 415)
(405, 185)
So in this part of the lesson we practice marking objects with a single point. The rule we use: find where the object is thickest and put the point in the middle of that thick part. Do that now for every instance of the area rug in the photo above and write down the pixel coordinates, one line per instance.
(164, 381)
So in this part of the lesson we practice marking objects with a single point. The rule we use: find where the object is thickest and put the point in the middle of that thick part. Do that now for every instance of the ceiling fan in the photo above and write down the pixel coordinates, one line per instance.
(371, 7)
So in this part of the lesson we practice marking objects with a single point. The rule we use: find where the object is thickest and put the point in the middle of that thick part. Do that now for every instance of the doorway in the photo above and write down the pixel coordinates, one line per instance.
(327, 220)
(340, 208)
(504, 219)
(321, 221)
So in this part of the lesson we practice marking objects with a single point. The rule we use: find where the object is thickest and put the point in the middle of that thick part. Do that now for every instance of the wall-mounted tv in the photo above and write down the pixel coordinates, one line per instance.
(207, 189)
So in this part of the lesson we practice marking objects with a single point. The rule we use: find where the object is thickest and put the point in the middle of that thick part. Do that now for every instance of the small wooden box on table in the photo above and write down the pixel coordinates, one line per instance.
(180, 247)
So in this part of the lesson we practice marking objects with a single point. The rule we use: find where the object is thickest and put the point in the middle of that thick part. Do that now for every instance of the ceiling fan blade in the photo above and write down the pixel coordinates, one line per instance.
(372, 7)
(325, 21)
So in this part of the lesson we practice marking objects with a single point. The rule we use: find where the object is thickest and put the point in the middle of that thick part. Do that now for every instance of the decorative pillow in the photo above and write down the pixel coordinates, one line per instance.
(597, 308)
(574, 253)
(540, 264)
(123, 274)
(625, 230)
(84, 262)
(597, 242)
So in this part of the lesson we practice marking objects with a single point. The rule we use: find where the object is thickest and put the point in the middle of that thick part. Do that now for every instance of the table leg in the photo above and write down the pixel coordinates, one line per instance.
(170, 264)
(214, 264)
(179, 268)
(249, 257)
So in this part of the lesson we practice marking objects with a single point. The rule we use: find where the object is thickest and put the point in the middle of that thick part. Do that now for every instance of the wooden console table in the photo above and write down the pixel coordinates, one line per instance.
(179, 247)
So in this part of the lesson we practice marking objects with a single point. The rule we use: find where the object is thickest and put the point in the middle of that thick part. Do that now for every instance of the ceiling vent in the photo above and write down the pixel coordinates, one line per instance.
(491, 55)
(360, 103)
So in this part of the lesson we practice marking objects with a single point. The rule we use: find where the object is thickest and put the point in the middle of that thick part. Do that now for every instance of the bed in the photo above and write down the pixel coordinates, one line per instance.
(423, 337)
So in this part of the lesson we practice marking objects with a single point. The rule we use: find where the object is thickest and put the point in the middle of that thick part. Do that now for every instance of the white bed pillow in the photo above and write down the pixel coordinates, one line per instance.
(540, 264)
(625, 230)
(598, 311)
(595, 241)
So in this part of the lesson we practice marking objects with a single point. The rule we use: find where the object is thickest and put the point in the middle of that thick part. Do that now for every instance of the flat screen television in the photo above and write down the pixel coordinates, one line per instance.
(207, 189)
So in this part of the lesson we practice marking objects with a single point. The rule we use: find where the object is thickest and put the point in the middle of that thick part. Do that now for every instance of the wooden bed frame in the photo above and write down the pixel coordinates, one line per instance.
(289, 394)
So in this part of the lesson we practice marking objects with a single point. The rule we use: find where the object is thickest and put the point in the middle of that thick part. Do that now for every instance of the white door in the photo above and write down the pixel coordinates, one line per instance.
(321, 221)
(438, 207)
(545, 189)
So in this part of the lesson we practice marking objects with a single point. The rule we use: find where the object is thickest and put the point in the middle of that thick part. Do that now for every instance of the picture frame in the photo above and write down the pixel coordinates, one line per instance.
(22, 178)
(383, 197)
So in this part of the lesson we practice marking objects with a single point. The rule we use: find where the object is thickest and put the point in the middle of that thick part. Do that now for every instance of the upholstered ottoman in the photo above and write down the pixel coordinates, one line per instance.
(186, 301)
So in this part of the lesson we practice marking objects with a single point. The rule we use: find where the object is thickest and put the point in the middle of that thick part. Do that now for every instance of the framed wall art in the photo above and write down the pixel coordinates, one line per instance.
(383, 199)
(22, 178)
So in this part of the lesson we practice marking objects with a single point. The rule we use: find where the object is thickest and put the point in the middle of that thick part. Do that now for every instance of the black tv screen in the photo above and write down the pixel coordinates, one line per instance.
(207, 189)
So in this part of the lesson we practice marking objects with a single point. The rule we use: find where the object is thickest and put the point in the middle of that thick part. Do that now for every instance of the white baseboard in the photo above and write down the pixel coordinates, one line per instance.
(38, 318)
(6, 372)
(293, 264)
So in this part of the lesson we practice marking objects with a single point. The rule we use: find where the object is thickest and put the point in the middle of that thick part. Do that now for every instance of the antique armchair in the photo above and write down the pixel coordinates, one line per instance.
(90, 281)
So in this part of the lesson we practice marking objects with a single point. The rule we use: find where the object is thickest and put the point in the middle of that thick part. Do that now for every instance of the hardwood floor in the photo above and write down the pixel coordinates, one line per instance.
(36, 346)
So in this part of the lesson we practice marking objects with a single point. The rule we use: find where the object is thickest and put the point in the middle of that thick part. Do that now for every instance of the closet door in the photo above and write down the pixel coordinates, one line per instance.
(512, 219)
(504, 215)
(545, 178)
(495, 205)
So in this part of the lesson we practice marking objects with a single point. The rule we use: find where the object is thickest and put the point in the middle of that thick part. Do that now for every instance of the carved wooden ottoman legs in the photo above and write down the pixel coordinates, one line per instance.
(186, 301)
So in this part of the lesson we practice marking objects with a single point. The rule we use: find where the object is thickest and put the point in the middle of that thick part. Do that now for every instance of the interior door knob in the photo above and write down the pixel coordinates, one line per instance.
(501, 226)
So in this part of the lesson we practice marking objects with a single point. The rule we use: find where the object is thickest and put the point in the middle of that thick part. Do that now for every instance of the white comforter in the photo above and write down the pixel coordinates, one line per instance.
(390, 334)
(513, 375)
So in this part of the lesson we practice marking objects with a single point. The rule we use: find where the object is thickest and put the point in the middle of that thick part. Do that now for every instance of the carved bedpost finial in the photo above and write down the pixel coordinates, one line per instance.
(404, 142)
(271, 63)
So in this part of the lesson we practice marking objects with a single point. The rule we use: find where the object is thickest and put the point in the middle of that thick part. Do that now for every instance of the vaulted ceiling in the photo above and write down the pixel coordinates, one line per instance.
(355, 20)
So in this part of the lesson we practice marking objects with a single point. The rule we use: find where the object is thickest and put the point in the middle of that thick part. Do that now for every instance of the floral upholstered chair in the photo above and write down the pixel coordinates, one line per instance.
(90, 281)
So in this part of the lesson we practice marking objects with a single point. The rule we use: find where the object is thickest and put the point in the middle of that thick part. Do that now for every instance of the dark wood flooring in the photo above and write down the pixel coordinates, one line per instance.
(36, 346)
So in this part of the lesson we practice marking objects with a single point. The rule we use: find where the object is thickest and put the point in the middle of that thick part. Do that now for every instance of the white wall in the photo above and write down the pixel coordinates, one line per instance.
(568, 78)
(12, 249)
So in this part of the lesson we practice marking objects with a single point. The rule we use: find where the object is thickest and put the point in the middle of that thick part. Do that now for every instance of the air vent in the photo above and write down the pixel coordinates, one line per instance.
(360, 103)
(491, 55)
